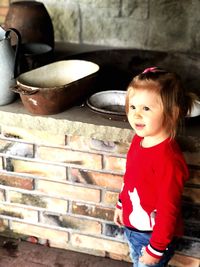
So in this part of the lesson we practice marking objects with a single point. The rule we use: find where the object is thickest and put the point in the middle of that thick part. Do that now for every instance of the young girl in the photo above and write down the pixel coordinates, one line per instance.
(149, 205)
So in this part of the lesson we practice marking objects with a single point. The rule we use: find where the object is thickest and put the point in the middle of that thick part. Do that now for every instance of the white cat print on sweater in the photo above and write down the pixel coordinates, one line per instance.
(139, 218)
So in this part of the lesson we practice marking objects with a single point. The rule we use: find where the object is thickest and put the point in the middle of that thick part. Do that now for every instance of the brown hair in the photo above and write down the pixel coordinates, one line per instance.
(177, 103)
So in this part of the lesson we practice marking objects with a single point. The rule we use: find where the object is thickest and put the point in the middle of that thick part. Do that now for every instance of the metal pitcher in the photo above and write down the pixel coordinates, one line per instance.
(8, 65)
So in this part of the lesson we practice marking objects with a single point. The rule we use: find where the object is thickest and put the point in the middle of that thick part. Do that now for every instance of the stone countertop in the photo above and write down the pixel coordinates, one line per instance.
(78, 120)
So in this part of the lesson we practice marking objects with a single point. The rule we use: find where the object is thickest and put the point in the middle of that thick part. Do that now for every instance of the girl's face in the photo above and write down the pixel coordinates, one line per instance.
(145, 115)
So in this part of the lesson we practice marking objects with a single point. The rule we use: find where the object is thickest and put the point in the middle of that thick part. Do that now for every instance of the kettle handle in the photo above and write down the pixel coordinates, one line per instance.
(17, 33)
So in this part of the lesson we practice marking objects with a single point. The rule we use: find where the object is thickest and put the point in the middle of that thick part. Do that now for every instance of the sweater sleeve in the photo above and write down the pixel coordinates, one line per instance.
(119, 204)
(134, 140)
(168, 206)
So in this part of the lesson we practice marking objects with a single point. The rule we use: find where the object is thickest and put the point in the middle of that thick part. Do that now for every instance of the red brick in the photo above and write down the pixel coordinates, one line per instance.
(4, 143)
(192, 158)
(83, 143)
(1, 163)
(14, 181)
(34, 136)
(40, 169)
(95, 178)
(1, 195)
(87, 160)
(3, 225)
(184, 261)
(19, 212)
(26, 199)
(192, 194)
(98, 244)
(85, 226)
(69, 191)
(110, 198)
(78, 142)
(93, 211)
(50, 203)
(114, 163)
(56, 238)
(194, 177)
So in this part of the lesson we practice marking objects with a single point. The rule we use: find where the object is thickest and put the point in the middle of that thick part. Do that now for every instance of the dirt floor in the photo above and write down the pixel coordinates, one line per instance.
(26, 254)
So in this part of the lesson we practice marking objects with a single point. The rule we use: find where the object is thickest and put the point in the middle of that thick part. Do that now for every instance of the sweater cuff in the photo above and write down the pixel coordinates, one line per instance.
(119, 204)
(154, 252)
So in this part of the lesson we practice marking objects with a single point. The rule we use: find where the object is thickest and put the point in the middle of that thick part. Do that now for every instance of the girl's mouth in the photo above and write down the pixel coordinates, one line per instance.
(139, 126)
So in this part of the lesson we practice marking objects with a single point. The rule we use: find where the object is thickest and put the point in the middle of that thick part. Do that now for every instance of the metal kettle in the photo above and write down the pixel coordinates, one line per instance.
(8, 65)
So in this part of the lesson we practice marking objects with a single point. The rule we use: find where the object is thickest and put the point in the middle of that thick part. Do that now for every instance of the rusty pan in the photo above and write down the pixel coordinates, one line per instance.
(55, 87)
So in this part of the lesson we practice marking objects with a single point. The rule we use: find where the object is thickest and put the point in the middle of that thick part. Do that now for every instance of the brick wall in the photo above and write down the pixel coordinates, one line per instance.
(62, 190)
(63, 187)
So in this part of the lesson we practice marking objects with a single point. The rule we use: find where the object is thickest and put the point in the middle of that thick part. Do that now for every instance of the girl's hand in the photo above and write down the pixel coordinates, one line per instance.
(118, 217)
(148, 259)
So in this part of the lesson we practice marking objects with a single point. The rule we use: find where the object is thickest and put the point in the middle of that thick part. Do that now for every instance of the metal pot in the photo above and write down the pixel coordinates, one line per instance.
(57, 86)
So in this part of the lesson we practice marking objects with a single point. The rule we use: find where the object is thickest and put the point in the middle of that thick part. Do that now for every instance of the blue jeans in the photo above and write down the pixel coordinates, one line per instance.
(137, 241)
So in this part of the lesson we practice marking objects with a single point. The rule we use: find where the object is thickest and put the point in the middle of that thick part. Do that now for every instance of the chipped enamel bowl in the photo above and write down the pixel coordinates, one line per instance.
(110, 104)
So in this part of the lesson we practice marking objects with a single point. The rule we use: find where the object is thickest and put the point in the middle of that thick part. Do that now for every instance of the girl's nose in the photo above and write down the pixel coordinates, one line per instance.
(137, 114)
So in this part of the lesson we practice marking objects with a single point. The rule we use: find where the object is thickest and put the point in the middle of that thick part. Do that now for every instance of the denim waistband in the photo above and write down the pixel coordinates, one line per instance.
(140, 231)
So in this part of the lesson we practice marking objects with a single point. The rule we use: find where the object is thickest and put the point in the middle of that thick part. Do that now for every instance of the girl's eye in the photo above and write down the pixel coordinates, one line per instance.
(146, 108)
(132, 107)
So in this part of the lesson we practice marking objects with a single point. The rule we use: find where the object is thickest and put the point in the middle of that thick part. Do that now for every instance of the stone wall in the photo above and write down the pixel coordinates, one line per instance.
(143, 24)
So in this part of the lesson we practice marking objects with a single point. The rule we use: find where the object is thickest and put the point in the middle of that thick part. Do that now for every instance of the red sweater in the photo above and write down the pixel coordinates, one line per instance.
(152, 190)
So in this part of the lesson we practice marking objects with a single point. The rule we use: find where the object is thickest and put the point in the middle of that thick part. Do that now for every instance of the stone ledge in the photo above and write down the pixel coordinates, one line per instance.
(74, 121)
(78, 120)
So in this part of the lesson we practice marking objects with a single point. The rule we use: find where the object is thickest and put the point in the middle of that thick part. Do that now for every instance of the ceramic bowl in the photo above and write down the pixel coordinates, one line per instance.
(110, 104)
(195, 110)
